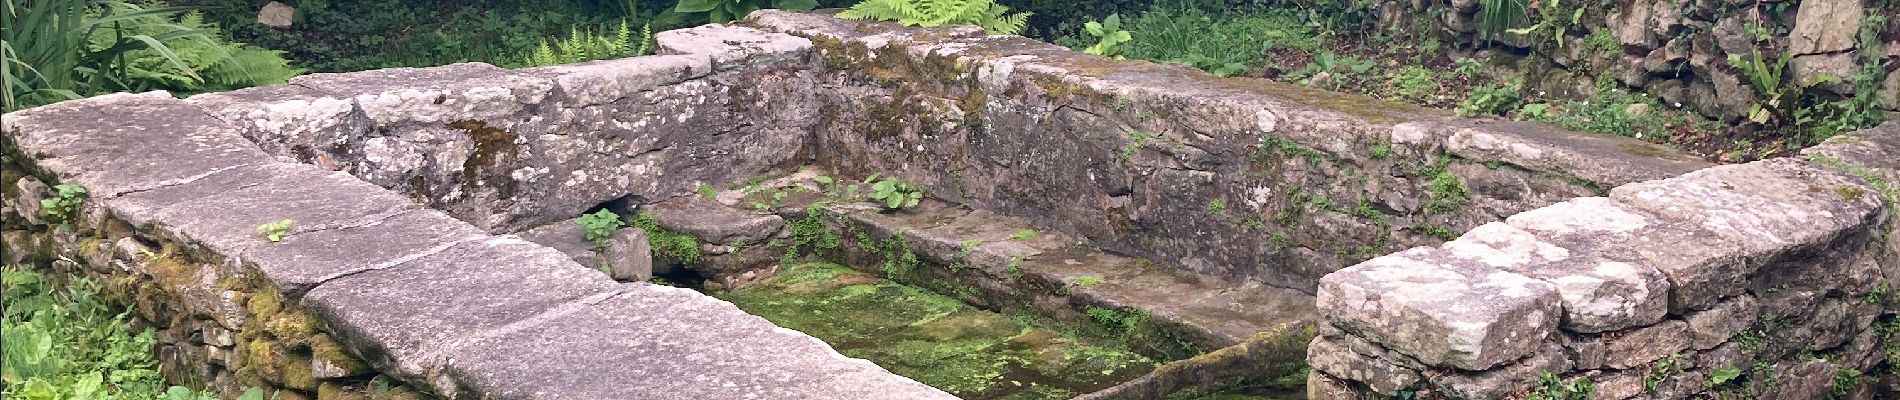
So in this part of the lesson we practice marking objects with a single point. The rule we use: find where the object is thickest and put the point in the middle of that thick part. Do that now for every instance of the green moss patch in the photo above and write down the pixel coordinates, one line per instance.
(936, 339)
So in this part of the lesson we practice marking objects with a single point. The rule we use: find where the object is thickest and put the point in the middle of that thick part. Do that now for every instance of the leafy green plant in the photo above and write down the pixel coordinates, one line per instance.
(1215, 206)
(1023, 234)
(1108, 36)
(1490, 99)
(274, 231)
(1414, 83)
(1549, 387)
(584, 45)
(1496, 17)
(597, 226)
(64, 205)
(56, 50)
(993, 18)
(1765, 77)
(1723, 375)
(1844, 382)
(722, 11)
(1085, 280)
(1660, 371)
(893, 193)
(1223, 45)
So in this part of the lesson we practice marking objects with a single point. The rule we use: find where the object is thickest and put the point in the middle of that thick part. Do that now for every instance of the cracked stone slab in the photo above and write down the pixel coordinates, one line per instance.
(658, 342)
(226, 218)
(403, 317)
(1599, 294)
(1441, 309)
(606, 81)
(732, 47)
(119, 143)
(1772, 207)
(305, 259)
(1340, 357)
(712, 222)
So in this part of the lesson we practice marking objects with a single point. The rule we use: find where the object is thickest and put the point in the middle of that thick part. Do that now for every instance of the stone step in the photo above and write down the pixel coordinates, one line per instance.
(1013, 263)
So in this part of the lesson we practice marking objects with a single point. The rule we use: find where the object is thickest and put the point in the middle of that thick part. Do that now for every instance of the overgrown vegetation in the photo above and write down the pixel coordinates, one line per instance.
(55, 50)
(666, 244)
(63, 206)
(60, 340)
(599, 226)
(992, 17)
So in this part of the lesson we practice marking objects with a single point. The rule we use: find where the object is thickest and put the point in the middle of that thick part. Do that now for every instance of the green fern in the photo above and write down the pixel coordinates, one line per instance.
(582, 45)
(993, 18)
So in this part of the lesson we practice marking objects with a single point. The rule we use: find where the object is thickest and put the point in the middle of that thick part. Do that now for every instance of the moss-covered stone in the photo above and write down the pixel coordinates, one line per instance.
(295, 371)
(291, 324)
(330, 390)
(325, 349)
(936, 339)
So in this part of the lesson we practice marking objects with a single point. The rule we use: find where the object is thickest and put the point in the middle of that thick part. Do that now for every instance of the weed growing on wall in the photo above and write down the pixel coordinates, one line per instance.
(666, 244)
(64, 205)
(722, 11)
(274, 231)
(598, 226)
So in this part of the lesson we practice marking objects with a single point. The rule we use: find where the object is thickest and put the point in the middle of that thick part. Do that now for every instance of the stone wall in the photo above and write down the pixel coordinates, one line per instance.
(1239, 178)
(1771, 279)
(1678, 51)
(365, 287)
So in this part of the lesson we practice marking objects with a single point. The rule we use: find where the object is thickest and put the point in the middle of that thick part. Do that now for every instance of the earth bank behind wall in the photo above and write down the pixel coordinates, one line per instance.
(1238, 178)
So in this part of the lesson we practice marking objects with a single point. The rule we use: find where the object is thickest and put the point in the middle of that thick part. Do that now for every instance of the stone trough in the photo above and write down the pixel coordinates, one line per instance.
(1235, 230)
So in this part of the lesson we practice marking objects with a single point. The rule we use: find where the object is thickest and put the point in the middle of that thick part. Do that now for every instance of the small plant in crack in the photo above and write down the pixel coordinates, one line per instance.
(274, 231)
(893, 193)
(64, 205)
(1023, 234)
(596, 227)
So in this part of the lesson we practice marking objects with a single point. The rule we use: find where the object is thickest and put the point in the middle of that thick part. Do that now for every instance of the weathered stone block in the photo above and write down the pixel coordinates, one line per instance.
(627, 256)
(1712, 327)
(1639, 346)
(733, 47)
(1443, 310)
(1510, 378)
(1336, 358)
(712, 222)
(1598, 294)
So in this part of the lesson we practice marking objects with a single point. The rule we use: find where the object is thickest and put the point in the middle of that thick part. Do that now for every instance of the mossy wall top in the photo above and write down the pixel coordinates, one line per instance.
(1240, 178)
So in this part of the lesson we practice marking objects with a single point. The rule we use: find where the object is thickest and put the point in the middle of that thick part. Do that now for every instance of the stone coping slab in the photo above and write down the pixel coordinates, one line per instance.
(418, 294)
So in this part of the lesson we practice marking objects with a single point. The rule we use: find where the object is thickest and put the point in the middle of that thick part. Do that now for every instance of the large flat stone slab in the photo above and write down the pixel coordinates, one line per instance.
(404, 317)
(658, 342)
(1441, 309)
(121, 143)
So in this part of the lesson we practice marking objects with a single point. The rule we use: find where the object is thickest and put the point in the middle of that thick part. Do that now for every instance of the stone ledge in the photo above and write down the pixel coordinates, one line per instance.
(432, 297)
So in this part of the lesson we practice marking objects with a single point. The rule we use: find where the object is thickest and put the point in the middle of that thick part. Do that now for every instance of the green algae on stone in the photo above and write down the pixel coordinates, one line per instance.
(935, 339)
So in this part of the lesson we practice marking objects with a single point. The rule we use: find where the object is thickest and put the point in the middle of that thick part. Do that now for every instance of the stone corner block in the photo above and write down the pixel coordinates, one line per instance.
(1440, 309)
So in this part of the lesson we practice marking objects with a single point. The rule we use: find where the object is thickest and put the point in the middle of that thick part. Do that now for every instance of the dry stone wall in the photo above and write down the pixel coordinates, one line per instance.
(1678, 51)
(1238, 178)
(1770, 279)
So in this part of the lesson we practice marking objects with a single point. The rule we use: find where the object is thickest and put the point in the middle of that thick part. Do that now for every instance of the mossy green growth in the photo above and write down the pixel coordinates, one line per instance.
(935, 339)
(1444, 193)
(667, 244)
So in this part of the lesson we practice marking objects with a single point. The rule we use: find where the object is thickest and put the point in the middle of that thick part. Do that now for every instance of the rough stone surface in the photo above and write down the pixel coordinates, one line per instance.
(276, 15)
(1598, 294)
(1333, 358)
(1825, 26)
(712, 222)
(546, 359)
(1430, 305)
(627, 256)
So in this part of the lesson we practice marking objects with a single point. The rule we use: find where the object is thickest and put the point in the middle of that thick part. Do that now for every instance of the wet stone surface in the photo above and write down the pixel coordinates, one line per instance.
(937, 340)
